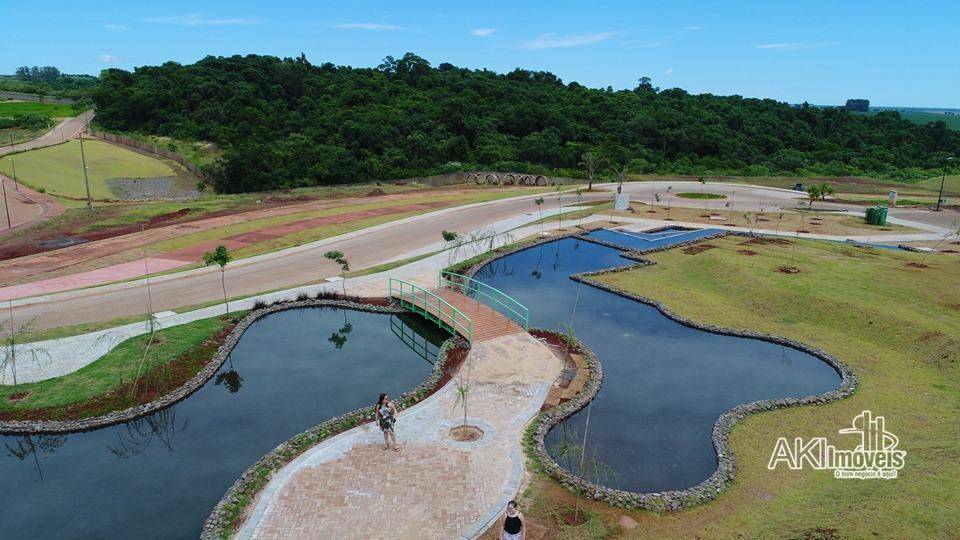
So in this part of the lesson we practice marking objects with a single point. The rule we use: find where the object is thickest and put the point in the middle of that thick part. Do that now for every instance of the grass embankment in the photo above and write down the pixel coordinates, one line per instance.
(52, 110)
(806, 221)
(175, 355)
(57, 170)
(895, 324)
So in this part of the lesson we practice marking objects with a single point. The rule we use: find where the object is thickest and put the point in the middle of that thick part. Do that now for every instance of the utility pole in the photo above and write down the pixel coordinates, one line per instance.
(86, 180)
(942, 180)
(3, 185)
(13, 164)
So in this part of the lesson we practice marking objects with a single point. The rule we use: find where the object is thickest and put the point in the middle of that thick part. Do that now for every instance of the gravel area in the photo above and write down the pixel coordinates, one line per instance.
(165, 187)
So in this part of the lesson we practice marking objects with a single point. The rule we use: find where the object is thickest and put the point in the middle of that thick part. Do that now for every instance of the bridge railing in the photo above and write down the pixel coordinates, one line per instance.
(467, 286)
(431, 306)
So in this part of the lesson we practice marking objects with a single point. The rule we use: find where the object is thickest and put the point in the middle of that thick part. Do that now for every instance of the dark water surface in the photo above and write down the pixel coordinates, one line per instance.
(160, 476)
(664, 384)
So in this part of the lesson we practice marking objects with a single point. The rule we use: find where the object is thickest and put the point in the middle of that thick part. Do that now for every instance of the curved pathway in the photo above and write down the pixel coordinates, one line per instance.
(66, 129)
(26, 206)
(349, 487)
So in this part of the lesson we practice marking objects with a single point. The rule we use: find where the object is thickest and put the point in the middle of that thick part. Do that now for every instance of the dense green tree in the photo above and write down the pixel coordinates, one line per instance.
(286, 122)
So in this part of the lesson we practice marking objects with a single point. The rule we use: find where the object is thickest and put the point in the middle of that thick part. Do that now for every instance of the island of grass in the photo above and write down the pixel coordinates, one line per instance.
(58, 169)
(136, 371)
(701, 196)
(895, 324)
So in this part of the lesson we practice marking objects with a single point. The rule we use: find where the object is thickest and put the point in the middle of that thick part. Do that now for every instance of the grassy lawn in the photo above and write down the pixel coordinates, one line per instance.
(53, 110)
(117, 367)
(20, 134)
(701, 196)
(896, 325)
(57, 169)
(805, 221)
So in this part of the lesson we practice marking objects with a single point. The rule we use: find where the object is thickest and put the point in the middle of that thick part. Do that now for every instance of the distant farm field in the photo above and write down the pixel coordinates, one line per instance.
(57, 169)
(53, 110)
(922, 118)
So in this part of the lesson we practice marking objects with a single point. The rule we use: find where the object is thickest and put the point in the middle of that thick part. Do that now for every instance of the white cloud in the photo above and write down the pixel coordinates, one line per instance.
(109, 58)
(668, 71)
(797, 45)
(195, 19)
(693, 28)
(552, 41)
(367, 26)
(115, 27)
(483, 32)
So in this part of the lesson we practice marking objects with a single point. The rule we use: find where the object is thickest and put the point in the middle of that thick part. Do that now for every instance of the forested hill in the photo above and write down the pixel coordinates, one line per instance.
(286, 123)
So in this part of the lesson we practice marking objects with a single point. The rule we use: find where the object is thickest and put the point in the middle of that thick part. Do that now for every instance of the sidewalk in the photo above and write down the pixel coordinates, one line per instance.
(349, 487)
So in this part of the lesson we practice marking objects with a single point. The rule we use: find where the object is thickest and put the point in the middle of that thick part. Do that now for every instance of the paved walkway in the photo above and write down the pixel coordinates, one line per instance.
(349, 487)
(66, 129)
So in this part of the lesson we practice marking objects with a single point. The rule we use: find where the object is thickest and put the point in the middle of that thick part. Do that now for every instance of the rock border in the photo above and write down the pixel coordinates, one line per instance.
(31, 427)
(220, 523)
(717, 482)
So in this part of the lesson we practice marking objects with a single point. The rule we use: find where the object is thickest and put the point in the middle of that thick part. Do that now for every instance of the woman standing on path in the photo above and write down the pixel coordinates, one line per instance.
(386, 418)
(513, 523)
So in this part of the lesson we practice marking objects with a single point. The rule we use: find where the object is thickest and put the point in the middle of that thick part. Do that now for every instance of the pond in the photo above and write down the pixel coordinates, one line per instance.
(160, 476)
(665, 384)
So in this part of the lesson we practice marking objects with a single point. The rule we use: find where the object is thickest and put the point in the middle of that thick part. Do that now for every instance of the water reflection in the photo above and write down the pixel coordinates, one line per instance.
(664, 383)
(34, 447)
(135, 436)
(159, 476)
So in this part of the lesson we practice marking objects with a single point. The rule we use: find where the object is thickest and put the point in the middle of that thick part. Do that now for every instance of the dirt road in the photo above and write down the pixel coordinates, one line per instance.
(25, 206)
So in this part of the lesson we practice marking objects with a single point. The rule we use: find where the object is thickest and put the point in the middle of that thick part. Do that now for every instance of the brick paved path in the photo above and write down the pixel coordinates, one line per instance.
(349, 487)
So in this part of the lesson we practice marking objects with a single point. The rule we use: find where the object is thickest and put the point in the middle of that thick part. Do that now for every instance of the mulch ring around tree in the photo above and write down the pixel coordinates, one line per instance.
(917, 265)
(698, 248)
(788, 270)
(157, 382)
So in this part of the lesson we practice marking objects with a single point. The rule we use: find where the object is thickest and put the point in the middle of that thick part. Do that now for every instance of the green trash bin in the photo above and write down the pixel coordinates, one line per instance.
(882, 215)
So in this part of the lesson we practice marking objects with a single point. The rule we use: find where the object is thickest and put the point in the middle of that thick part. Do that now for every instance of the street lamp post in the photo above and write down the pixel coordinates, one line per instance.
(942, 180)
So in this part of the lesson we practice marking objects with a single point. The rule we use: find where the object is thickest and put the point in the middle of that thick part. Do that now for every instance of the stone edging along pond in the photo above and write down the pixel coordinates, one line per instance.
(26, 427)
(225, 516)
(717, 482)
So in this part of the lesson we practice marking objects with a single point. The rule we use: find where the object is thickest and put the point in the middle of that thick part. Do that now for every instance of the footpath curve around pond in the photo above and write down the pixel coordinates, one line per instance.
(436, 487)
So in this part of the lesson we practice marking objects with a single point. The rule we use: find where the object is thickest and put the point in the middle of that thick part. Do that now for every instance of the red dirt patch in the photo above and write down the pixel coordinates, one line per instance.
(698, 248)
(917, 265)
(376, 192)
(760, 241)
(788, 270)
(748, 252)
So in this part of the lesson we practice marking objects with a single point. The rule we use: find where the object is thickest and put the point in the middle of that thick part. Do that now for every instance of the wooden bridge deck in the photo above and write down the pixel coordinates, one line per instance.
(488, 323)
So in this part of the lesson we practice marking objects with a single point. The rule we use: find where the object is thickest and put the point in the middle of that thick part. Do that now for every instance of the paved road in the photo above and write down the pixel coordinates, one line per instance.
(288, 268)
(66, 129)
(302, 265)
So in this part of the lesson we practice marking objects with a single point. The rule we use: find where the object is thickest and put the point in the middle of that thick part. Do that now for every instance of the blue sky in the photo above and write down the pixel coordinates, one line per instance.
(823, 52)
